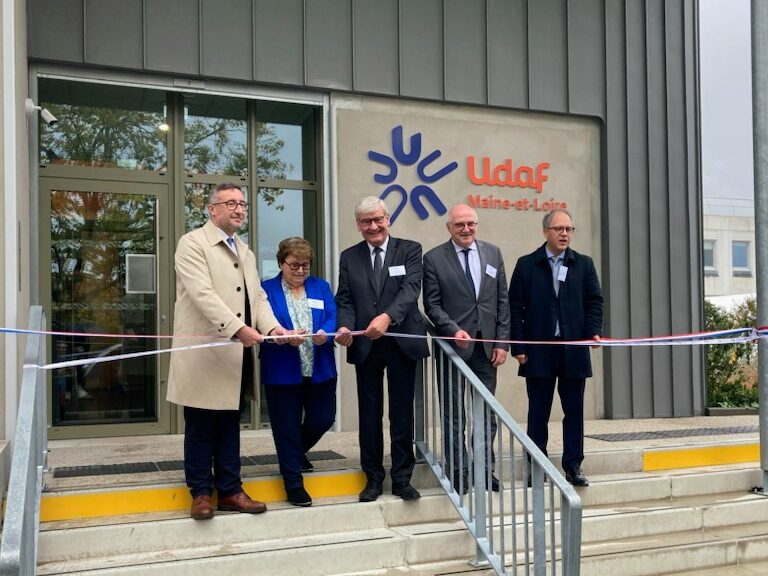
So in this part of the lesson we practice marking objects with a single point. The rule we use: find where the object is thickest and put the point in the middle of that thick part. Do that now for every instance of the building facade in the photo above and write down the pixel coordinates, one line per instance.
(513, 106)
(729, 247)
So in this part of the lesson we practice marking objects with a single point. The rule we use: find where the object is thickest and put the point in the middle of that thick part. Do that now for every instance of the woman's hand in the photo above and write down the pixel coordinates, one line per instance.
(320, 338)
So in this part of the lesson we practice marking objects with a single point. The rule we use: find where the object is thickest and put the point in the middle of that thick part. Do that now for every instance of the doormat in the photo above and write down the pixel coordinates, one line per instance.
(681, 433)
(171, 465)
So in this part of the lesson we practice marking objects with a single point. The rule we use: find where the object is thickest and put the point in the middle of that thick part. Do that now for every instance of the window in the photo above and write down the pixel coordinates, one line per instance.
(102, 126)
(740, 258)
(709, 258)
(215, 135)
(120, 138)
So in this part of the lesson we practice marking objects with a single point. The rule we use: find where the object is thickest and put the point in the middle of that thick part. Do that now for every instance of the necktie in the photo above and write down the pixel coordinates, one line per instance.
(231, 242)
(378, 265)
(468, 271)
(556, 263)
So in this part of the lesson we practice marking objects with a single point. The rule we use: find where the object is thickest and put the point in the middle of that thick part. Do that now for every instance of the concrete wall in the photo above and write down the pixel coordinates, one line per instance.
(565, 150)
(630, 64)
(14, 172)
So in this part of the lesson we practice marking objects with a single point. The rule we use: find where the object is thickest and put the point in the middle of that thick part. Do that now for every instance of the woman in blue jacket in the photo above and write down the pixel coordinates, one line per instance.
(299, 381)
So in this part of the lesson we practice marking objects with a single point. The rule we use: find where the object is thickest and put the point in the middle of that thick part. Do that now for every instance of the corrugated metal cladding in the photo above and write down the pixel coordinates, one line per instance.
(631, 63)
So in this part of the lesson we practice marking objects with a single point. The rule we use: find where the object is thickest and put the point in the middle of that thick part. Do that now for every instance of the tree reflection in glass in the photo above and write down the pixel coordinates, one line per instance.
(104, 138)
(91, 235)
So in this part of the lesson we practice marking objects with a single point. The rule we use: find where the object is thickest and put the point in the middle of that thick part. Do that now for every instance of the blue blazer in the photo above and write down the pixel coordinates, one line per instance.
(280, 364)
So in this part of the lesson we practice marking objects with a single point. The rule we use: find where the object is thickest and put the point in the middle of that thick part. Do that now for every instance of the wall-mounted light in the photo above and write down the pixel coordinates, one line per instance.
(45, 114)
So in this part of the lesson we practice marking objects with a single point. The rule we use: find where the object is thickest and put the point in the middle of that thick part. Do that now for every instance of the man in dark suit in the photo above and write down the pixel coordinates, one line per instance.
(379, 287)
(555, 295)
(465, 297)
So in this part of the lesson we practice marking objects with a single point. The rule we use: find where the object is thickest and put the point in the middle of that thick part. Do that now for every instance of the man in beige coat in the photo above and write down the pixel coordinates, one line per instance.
(218, 297)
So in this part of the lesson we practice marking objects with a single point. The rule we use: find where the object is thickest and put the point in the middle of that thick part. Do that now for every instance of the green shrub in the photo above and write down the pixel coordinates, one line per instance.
(731, 368)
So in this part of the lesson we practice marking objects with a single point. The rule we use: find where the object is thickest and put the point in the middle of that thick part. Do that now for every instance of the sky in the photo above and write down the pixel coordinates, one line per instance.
(726, 105)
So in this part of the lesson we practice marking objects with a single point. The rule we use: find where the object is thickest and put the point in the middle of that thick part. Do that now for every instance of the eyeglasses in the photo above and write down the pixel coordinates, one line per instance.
(232, 204)
(294, 266)
(462, 225)
(366, 222)
(561, 229)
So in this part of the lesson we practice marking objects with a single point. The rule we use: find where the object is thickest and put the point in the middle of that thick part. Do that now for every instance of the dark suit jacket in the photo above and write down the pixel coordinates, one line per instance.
(534, 310)
(450, 303)
(358, 302)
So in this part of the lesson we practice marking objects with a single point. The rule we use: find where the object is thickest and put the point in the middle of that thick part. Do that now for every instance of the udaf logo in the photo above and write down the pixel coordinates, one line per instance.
(420, 193)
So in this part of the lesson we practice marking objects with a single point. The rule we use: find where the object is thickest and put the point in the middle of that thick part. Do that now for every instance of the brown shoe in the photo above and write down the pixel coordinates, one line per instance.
(241, 502)
(202, 509)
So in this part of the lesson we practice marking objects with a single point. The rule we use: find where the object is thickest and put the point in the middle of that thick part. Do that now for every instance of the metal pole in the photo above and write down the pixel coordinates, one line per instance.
(760, 143)
(478, 464)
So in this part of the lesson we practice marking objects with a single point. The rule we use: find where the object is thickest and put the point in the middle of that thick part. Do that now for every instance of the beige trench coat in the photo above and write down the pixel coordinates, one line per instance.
(210, 304)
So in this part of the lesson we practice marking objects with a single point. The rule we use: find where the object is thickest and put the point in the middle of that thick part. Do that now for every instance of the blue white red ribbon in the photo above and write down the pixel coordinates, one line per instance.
(717, 337)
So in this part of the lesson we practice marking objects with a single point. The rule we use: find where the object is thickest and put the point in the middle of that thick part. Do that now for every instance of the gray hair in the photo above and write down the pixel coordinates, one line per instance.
(551, 214)
(370, 204)
(225, 186)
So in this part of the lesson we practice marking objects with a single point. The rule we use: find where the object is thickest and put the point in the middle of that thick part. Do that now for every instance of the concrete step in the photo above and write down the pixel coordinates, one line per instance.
(749, 569)
(74, 504)
(714, 548)
(310, 555)
(112, 495)
(650, 512)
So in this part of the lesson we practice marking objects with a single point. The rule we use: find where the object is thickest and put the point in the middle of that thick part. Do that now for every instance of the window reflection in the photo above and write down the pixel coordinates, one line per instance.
(103, 126)
(282, 213)
(286, 141)
(215, 135)
(93, 234)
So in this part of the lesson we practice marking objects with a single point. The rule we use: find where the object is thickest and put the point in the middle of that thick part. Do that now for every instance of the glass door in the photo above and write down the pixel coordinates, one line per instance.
(108, 273)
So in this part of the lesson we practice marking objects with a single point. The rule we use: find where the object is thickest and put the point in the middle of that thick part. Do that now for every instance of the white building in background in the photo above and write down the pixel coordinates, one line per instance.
(729, 246)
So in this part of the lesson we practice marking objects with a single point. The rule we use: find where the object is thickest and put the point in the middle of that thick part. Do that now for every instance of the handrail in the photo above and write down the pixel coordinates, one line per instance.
(29, 460)
(526, 512)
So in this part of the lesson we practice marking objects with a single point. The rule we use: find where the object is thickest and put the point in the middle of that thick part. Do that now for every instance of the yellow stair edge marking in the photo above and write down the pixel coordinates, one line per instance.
(701, 456)
(57, 507)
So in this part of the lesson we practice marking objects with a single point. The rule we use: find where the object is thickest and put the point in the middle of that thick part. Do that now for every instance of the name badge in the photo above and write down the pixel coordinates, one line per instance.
(397, 271)
(490, 270)
(316, 303)
(562, 273)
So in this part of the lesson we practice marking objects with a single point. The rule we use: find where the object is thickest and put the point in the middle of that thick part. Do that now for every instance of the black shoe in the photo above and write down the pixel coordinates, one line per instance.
(405, 491)
(307, 466)
(371, 492)
(299, 497)
(576, 477)
(495, 485)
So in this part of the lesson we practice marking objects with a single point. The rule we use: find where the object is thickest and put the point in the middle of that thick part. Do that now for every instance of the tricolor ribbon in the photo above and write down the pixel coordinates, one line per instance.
(732, 336)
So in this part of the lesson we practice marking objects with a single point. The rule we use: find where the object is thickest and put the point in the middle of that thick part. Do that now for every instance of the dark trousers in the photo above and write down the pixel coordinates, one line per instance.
(541, 392)
(385, 354)
(212, 437)
(300, 414)
(452, 393)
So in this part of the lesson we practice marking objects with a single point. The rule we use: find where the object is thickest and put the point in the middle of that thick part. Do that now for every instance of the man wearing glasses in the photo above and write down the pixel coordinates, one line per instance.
(378, 292)
(555, 295)
(465, 297)
(218, 297)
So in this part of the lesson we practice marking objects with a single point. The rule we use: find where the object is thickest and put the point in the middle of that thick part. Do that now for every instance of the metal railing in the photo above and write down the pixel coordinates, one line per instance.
(516, 528)
(18, 551)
